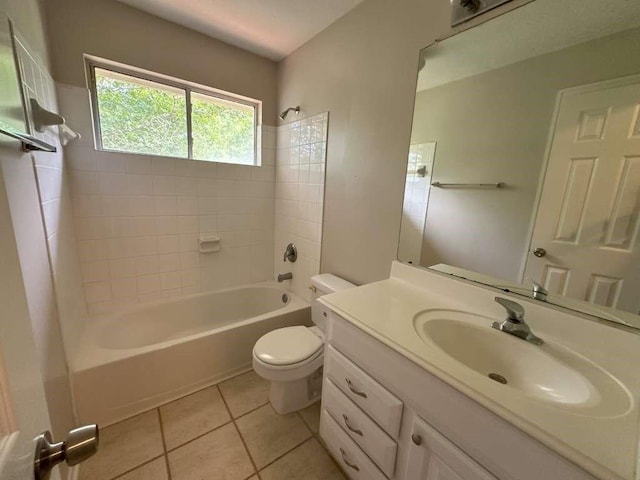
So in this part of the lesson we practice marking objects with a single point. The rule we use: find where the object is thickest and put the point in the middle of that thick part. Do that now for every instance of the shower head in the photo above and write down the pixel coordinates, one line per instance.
(284, 114)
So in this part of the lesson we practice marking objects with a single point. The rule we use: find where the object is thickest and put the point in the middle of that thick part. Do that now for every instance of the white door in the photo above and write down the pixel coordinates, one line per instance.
(23, 408)
(433, 457)
(587, 220)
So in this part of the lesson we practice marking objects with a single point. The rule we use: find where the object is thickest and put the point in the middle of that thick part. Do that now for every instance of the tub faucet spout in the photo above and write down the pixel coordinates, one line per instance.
(285, 276)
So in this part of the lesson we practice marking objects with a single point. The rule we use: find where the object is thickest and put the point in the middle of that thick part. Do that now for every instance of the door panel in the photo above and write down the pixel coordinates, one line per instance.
(588, 216)
(22, 391)
(433, 457)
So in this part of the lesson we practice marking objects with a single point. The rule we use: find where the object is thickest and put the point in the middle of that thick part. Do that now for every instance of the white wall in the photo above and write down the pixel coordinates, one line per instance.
(118, 32)
(24, 378)
(300, 171)
(53, 195)
(363, 70)
(40, 216)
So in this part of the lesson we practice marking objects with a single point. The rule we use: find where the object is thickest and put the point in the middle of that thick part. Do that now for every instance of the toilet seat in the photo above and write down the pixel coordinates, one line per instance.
(288, 347)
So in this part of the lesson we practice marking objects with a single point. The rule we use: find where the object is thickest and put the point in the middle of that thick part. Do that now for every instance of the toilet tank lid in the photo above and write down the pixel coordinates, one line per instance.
(328, 283)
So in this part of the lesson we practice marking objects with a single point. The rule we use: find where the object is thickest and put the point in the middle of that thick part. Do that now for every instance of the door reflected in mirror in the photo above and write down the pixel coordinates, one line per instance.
(535, 115)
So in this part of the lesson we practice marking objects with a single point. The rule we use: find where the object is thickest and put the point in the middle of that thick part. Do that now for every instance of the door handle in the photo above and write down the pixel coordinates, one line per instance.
(81, 443)
(539, 252)
(354, 389)
(350, 427)
(349, 463)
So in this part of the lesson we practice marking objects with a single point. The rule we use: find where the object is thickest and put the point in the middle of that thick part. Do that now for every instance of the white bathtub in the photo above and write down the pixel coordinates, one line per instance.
(150, 354)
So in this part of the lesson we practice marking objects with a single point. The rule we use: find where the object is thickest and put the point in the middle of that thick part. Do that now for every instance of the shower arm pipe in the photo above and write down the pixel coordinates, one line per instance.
(284, 114)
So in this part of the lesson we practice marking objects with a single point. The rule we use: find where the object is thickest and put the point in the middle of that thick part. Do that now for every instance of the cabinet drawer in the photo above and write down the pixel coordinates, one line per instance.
(380, 404)
(365, 432)
(352, 460)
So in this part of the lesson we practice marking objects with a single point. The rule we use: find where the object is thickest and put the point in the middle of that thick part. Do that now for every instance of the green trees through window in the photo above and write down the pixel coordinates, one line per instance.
(143, 116)
(222, 130)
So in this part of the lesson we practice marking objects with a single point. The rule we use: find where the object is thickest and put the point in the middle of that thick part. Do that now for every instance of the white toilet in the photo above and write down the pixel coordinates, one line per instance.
(291, 358)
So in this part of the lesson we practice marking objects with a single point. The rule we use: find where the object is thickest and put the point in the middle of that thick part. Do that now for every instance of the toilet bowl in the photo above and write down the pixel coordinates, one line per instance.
(291, 358)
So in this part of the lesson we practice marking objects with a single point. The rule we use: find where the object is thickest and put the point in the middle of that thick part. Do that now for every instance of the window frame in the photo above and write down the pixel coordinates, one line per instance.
(91, 63)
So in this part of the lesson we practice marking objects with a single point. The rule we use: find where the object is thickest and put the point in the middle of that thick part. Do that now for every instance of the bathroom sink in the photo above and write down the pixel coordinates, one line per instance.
(548, 373)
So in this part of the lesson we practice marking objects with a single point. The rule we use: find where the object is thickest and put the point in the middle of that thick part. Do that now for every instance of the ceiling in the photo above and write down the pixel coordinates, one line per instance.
(540, 27)
(271, 28)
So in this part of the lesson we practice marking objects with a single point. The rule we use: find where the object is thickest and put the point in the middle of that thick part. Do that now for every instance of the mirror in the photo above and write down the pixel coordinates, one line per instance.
(524, 163)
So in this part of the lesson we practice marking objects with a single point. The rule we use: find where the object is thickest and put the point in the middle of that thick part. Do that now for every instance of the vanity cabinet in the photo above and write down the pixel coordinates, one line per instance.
(384, 417)
(380, 404)
(347, 453)
(363, 430)
(433, 457)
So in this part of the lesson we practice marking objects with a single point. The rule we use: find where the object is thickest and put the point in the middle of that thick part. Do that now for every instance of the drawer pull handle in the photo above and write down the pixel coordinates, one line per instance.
(347, 462)
(417, 439)
(354, 430)
(354, 389)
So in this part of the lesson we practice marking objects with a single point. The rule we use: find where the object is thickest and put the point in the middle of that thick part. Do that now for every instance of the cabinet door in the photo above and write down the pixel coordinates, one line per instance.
(433, 457)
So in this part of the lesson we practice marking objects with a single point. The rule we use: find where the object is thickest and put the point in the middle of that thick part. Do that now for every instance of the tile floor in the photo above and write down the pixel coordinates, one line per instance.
(224, 432)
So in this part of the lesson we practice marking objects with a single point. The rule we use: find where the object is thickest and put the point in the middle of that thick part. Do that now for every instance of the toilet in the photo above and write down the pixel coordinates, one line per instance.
(291, 358)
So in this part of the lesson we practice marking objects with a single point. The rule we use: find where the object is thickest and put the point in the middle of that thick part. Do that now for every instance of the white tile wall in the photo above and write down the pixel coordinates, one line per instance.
(54, 198)
(37, 84)
(300, 173)
(138, 218)
(39, 202)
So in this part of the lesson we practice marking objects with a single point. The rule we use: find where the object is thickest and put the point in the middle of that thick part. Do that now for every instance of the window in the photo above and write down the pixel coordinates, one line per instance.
(139, 112)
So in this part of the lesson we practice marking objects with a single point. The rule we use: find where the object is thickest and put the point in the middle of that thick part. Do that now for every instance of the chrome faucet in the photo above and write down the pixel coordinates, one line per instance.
(514, 324)
(291, 253)
(539, 292)
(285, 276)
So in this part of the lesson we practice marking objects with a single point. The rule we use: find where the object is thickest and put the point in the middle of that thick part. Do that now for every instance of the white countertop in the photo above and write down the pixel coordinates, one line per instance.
(605, 446)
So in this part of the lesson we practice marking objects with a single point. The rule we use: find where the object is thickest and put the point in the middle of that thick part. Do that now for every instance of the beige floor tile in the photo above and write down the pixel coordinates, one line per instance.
(218, 455)
(245, 392)
(269, 435)
(156, 470)
(124, 446)
(309, 462)
(192, 416)
(311, 416)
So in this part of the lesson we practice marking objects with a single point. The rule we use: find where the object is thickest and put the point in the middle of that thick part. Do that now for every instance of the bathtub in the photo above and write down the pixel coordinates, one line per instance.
(151, 354)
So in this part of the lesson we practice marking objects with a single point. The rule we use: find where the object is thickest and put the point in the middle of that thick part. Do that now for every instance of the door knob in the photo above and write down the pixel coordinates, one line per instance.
(81, 443)
(539, 252)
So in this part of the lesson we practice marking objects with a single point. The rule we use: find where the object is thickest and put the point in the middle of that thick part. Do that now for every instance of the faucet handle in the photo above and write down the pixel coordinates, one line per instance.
(291, 253)
(515, 311)
(539, 292)
(537, 287)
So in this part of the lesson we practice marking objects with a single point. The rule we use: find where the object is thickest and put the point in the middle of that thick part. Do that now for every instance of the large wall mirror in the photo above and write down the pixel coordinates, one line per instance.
(524, 164)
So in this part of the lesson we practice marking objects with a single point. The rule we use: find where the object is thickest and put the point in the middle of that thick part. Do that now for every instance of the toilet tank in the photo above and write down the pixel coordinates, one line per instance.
(324, 284)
